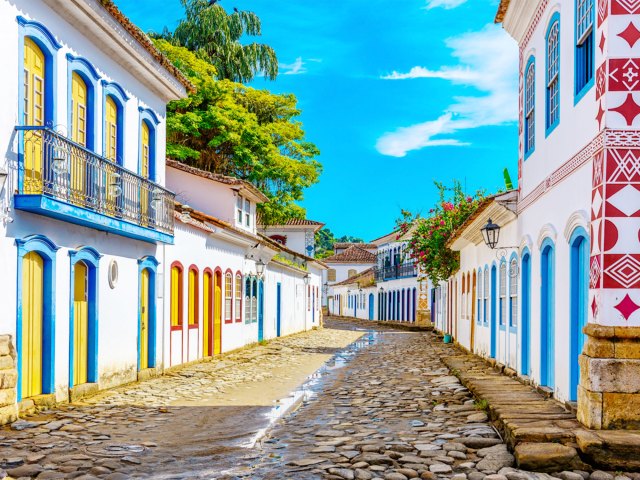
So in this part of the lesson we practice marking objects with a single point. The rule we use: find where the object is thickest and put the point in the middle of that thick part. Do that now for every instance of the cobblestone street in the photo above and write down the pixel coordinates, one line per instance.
(385, 407)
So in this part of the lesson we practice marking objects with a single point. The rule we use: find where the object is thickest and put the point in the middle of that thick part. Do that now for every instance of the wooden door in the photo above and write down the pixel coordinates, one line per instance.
(111, 152)
(144, 319)
(207, 315)
(34, 98)
(145, 170)
(80, 323)
(32, 324)
(79, 115)
(217, 327)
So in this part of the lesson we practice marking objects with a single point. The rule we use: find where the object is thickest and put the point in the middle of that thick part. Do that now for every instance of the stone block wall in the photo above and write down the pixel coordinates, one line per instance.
(8, 381)
(609, 391)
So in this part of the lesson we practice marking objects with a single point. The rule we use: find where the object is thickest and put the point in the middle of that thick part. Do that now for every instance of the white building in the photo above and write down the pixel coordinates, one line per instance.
(227, 285)
(83, 208)
(561, 306)
(355, 297)
(298, 234)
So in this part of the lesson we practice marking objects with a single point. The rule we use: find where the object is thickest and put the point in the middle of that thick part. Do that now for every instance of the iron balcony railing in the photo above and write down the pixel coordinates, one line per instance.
(392, 272)
(57, 167)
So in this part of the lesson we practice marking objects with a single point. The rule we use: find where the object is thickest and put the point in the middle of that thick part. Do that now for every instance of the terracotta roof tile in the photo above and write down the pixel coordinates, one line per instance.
(362, 277)
(344, 245)
(352, 254)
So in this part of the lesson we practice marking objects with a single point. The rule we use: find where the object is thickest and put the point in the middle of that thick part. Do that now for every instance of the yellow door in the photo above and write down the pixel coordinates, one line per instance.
(192, 298)
(145, 158)
(32, 322)
(144, 319)
(80, 323)
(34, 86)
(217, 327)
(206, 314)
(111, 151)
(79, 109)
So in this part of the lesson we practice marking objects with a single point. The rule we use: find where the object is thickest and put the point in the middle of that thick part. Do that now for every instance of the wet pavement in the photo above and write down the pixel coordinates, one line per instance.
(385, 407)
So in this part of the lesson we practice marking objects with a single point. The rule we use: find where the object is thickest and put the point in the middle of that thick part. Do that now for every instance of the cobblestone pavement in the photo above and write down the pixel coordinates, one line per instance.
(384, 408)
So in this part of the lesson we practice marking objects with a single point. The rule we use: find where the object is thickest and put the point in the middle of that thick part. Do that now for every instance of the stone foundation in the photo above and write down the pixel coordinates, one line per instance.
(609, 391)
(8, 381)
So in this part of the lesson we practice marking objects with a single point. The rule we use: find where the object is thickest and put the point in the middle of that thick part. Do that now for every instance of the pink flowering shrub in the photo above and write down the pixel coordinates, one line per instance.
(428, 245)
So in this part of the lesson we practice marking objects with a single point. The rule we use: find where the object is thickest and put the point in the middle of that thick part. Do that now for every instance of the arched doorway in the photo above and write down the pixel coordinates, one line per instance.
(217, 313)
(547, 340)
(579, 271)
(525, 327)
(207, 313)
(493, 327)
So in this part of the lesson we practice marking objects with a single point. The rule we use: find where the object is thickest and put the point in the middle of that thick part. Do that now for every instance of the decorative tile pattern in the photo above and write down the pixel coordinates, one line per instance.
(595, 272)
(603, 11)
(601, 80)
(630, 34)
(625, 7)
(623, 165)
(624, 75)
(621, 271)
(627, 307)
(629, 109)
(623, 201)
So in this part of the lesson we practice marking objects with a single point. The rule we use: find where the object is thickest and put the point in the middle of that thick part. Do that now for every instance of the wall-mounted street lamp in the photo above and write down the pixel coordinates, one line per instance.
(260, 268)
(307, 279)
(491, 234)
(381, 290)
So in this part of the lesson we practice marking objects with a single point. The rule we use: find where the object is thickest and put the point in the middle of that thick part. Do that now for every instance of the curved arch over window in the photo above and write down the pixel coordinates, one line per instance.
(176, 296)
(530, 107)
(149, 121)
(553, 74)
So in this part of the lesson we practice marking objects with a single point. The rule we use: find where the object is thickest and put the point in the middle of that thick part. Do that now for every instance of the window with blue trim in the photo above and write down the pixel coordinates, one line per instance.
(487, 287)
(513, 293)
(529, 107)
(503, 292)
(479, 287)
(553, 75)
(584, 56)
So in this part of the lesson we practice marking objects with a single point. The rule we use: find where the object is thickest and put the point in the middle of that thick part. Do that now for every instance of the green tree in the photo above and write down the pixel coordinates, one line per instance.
(325, 240)
(228, 128)
(215, 35)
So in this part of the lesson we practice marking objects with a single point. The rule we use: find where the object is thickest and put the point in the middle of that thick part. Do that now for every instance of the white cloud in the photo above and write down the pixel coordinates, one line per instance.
(488, 63)
(295, 68)
(446, 4)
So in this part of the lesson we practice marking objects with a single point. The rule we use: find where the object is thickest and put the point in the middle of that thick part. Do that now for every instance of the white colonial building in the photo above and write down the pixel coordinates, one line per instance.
(560, 302)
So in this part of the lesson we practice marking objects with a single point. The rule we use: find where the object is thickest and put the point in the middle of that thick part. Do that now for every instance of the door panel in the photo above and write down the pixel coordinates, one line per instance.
(34, 98)
(111, 152)
(217, 327)
(144, 319)
(145, 169)
(206, 315)
(80, 323)
(32, 323)
(79, 115)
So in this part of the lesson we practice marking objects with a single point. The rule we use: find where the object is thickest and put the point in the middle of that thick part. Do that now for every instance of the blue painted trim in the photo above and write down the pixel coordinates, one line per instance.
(527, 149)
(279, 309)
(260, 310)
(579, 287)
(551, 127)
(525, 316)
(52, 207)
(47, 250)
(512, 328)
(547, 309)
(151, 264)
(494, 282)
(91, 258)
(152, 120)
(502, 321)
(485, 319)
(90, 75)
(120, 97)
(36, 29)
(579, 94)
(49, 46)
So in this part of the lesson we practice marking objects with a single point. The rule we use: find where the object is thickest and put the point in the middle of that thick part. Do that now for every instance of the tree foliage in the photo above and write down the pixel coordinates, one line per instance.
(215, 35)
(232, 129)
(325, 239)
(428, 244)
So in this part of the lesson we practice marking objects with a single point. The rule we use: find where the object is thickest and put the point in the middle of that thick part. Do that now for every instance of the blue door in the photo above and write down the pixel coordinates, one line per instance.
(547, 364)
(579, 299)
(371, 306)
(260, 310)
(526, 314)
(279, 309)
(493, 327)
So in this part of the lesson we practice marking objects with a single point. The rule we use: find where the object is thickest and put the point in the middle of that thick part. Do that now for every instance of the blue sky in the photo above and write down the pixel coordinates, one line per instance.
(395, 93)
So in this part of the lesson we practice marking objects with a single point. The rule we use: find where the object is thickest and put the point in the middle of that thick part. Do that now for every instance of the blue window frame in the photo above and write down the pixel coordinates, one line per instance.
(479, 297)
(585, 47)
(485, 298)
(547, 309)
(503, 293)
(513, 292)
(119, 96)
(530, 107)
(525, 329)
(553, 75)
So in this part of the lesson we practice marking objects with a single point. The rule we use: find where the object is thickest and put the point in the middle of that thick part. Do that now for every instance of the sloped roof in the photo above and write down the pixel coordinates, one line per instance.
(303, 222)
(217, 177)
(502, 10)
(146, 43)
(344, 245)
(368, 274)
(353, 254)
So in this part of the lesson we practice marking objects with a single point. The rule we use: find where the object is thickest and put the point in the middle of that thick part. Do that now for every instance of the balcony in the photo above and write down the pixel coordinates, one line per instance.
(61, 179)
(394, 272)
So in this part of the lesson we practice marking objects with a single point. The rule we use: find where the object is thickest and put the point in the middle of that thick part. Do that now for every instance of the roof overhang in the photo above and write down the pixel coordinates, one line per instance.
(501, 209)
(91, 19)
